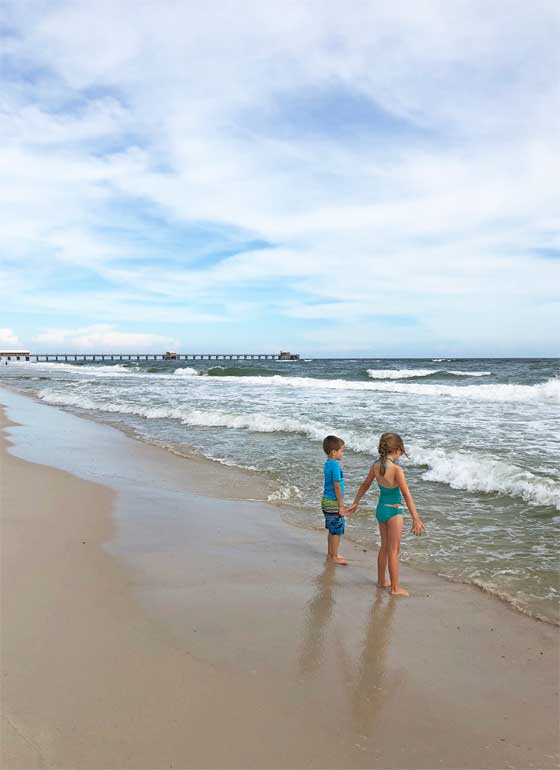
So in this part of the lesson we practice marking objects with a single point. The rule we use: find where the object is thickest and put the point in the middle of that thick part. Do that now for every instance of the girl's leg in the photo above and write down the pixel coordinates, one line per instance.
(394, 532)
(382, 556)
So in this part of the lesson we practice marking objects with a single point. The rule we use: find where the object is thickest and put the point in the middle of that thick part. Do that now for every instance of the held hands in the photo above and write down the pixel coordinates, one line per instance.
(418, 527)
(346, 512)
(351, 509)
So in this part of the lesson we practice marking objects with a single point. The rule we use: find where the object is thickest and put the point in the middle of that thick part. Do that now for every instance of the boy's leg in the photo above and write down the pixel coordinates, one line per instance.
(394, 532)
(336, 557)
(382, 556)
(329, 545)
(335, 540)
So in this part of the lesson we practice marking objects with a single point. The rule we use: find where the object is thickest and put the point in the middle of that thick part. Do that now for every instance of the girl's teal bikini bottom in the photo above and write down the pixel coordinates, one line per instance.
(384, 512)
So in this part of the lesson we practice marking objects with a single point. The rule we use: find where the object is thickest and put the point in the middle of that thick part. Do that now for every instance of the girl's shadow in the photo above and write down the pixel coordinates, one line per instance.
(373, 682)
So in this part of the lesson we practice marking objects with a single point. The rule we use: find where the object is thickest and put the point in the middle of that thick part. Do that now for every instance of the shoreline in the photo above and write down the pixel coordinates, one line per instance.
(197, 620)
(234, 482)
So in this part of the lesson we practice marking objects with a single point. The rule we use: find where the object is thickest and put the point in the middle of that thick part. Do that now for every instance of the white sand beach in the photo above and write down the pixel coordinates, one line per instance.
(153, 617)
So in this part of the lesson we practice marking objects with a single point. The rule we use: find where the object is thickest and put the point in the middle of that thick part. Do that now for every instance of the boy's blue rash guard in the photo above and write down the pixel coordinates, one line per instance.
(333, 472)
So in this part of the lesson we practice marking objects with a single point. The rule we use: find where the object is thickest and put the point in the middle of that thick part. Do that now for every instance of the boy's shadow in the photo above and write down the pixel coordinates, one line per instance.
(319, 611)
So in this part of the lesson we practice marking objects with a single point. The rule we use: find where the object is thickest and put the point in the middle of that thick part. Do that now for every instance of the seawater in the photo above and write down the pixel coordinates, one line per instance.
(483, 437)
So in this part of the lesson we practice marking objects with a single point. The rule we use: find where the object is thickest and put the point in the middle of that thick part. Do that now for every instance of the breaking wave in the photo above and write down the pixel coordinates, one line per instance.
(406, 374)
(543, 391)
(459, 470)
(381, 380)
(477, 473)
(89, 369)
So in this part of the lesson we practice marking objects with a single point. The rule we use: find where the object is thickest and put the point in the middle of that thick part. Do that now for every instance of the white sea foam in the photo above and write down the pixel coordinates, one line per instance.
(399, 374)
(480, 473)
(285, 493)
(548, 391)
(459, 470)
(231, 464)
(459, 373)
(110, 370)
(406, 374)
(103, 370)
(254, 422)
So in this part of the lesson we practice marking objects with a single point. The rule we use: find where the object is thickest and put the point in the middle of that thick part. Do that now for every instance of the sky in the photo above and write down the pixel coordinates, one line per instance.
(335, 179)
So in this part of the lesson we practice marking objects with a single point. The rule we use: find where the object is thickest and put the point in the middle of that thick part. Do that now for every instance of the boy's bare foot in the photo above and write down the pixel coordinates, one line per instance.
(339, 560)
(383, 585)
(400, 592)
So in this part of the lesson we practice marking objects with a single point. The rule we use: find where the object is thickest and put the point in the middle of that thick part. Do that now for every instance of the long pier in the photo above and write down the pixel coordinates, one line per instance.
(168, 356)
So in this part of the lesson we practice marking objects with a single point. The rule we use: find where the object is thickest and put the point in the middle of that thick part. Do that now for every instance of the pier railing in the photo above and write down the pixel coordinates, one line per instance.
(95, 357)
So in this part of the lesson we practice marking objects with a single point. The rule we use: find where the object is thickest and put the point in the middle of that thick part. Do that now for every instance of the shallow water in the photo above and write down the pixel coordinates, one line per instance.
(483, 437)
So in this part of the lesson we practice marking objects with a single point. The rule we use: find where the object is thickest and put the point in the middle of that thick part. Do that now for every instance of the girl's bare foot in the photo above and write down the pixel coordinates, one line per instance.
(383, 585)
(399, 592)
(340, 560)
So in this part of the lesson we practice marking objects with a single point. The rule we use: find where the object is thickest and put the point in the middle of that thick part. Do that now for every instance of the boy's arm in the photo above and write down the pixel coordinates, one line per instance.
(417, 524)
(338, 493)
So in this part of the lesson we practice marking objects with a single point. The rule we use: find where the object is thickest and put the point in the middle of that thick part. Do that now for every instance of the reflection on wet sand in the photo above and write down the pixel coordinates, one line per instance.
(319, 611)
(370, 682)
(374, 684)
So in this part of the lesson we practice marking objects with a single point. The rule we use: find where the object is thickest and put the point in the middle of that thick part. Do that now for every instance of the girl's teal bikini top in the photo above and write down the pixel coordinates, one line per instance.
(389, 495)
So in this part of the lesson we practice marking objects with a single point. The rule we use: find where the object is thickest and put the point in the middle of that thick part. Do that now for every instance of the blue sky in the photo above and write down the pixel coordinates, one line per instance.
(331, 179)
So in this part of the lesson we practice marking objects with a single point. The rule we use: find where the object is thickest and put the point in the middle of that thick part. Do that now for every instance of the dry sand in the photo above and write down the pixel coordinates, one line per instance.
(148, 626)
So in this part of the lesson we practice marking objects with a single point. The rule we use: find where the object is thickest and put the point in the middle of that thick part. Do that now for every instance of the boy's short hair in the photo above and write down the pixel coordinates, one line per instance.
(331, 444)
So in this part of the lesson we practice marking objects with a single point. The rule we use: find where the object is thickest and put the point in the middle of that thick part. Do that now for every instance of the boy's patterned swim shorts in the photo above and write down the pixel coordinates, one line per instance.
(333, 522)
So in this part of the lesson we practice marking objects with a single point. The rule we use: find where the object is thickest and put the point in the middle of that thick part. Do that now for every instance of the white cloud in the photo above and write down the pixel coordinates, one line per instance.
(8, 339)
(101, 338)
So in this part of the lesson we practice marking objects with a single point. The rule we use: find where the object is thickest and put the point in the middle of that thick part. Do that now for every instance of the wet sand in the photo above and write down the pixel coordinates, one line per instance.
(147, 624)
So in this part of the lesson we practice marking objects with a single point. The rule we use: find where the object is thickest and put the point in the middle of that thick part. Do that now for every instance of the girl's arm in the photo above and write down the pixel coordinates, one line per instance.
(364, 486)
(417, 525)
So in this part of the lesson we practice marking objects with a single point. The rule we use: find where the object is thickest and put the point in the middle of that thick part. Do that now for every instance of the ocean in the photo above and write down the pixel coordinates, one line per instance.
(483, 437)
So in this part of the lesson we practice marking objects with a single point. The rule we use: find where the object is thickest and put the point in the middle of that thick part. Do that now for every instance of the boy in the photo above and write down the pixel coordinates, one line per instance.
(332, 502)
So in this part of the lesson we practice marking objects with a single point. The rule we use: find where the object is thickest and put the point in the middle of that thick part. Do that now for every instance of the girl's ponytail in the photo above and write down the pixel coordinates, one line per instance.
(383, 450)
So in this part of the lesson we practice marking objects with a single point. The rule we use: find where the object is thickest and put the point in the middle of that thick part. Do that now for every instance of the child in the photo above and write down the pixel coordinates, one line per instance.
(389, 512)
(332, 502)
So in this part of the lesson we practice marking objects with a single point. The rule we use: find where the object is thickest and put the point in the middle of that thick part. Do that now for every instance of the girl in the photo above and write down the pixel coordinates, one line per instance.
(389, 512)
